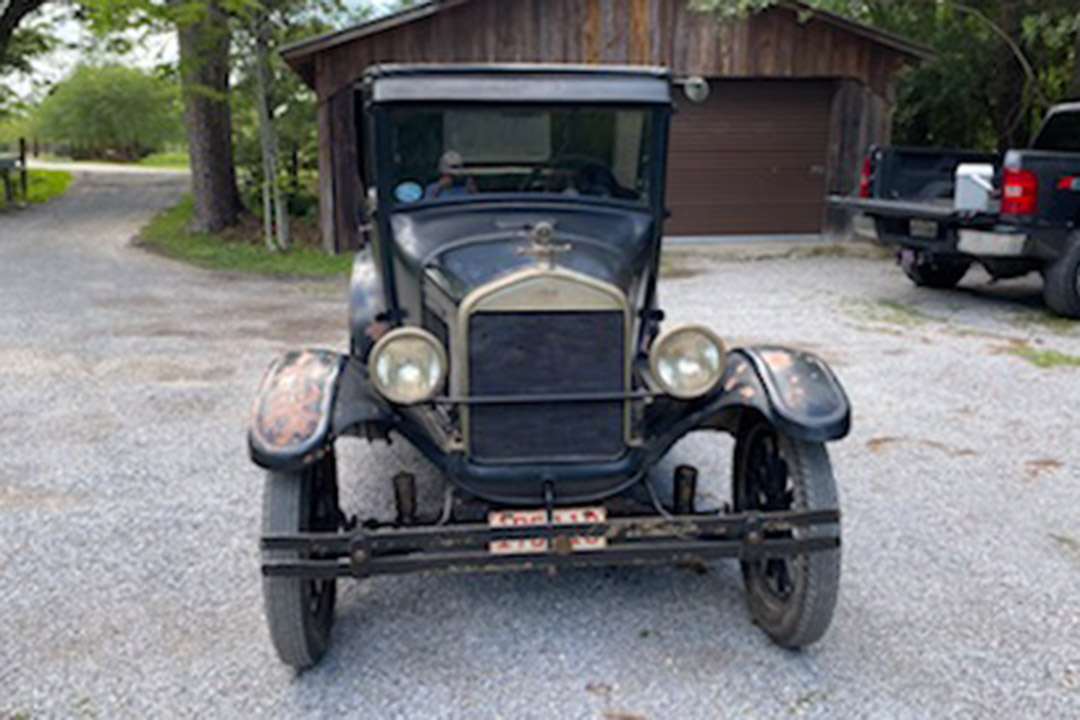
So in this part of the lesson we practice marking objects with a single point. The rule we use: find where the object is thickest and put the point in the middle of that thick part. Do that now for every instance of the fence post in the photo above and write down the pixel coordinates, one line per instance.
(25, 180)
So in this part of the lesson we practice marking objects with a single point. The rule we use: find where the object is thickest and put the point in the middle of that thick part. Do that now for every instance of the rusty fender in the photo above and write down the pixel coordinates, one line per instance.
(795, 390)
(306, 399)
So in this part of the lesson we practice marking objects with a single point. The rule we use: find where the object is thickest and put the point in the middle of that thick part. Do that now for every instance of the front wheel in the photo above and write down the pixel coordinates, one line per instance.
(299, 611)
(1062, 281)
(791, 598)
(926, 270)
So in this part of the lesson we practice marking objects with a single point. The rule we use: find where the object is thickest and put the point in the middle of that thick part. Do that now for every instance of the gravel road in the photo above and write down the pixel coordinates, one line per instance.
(129, 513)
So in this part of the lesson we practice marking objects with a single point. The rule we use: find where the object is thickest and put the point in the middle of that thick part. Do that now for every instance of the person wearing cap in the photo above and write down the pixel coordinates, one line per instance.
(452, 179)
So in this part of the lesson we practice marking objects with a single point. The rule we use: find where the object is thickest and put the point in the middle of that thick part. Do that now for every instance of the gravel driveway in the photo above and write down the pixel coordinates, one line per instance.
(129, 513)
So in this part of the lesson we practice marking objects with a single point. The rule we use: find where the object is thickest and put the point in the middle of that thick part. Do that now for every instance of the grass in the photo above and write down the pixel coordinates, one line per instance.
(1066, 541)
(889, 312)
(166, 159)
(41, 186)
(1046, 319)
(237, 250)
(1045, 358)
(44, 185)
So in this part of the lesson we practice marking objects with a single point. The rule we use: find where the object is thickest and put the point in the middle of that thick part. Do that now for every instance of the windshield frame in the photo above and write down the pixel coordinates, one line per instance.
(384, 170)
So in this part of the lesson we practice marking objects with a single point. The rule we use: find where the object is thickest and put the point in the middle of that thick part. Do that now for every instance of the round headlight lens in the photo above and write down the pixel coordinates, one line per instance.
(408, 365)
(688, 361)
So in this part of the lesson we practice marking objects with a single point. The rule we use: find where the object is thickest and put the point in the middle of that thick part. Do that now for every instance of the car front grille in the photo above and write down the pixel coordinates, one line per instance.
(545, 354)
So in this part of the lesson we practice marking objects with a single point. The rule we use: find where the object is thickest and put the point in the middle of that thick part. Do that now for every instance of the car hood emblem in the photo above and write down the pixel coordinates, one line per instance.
(540, 243)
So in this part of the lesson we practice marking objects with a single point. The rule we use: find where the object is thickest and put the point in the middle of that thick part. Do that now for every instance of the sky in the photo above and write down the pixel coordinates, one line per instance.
(151, 51)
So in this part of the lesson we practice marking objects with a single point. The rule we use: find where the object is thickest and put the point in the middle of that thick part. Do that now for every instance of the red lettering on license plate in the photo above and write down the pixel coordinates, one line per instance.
(560, 516)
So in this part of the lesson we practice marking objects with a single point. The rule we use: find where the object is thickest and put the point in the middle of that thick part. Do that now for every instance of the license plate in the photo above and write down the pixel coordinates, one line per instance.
(560, 516)
(923, 228)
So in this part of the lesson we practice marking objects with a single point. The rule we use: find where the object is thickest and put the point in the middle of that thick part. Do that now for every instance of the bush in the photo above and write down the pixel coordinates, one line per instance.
(110, 112)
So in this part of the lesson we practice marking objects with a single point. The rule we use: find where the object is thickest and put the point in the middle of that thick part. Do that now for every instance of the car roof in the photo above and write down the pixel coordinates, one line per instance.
(1065, 107)
(520, 83)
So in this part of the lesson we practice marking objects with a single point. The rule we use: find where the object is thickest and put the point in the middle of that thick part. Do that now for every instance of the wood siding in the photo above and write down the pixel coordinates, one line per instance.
(776, 43)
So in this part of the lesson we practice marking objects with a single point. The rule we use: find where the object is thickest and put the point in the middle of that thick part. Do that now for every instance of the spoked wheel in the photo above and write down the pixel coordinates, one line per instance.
(300, 612)
(791, 598)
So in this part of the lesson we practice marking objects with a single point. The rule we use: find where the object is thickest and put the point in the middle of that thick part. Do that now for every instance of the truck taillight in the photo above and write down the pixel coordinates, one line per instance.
(864, 177)
(1019, 192)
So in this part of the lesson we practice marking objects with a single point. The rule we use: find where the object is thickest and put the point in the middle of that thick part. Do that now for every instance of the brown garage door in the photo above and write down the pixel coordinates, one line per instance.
(750, 159)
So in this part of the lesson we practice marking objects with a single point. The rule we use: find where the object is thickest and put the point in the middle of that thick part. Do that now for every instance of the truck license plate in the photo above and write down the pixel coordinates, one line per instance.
(923, 229)
(560, 516)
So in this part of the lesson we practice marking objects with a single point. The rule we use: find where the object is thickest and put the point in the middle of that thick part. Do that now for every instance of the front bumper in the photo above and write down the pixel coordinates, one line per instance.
(633, 540)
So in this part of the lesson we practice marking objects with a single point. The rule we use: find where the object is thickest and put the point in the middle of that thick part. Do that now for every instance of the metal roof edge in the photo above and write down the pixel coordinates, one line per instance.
(896, 42)
(296, 52)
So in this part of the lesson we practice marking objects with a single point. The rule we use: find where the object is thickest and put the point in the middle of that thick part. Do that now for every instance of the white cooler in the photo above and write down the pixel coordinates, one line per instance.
(974, 187)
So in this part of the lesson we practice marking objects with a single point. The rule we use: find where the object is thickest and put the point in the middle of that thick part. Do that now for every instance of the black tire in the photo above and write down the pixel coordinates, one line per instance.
(933, 272)
(1061, 288)
(791, 599)
(300, 612)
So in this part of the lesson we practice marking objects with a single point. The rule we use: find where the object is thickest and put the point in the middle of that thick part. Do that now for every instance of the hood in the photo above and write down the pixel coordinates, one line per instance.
(463, 246)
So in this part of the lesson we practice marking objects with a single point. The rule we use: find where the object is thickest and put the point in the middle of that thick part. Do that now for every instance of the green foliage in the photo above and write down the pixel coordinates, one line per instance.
(999, 63)
(167, 233)
(294, 109)
(43, 185)
(13, 127)
(1046, 358)
(166, 159)
(26, 43)
(109, 112)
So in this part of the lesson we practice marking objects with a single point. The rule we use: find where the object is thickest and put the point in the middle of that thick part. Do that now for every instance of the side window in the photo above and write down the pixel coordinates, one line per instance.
(1061, 133)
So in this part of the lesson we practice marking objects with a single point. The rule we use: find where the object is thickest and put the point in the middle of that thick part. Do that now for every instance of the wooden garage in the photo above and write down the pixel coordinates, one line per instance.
(796, 96)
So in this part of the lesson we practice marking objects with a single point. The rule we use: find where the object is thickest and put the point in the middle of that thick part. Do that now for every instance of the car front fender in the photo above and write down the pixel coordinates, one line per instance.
(367, 303)
(306, 399)
(795, 390)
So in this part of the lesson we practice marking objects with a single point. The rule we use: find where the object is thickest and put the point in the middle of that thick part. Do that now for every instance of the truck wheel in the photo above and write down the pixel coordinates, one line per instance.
(925, 270)
(791, 599)
(1061, 288)
(300, 612)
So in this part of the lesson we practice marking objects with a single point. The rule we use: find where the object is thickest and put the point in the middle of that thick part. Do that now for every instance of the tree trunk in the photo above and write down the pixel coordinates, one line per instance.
(1074, 86)
(272, 200)
(204, 67)
(1011, 91)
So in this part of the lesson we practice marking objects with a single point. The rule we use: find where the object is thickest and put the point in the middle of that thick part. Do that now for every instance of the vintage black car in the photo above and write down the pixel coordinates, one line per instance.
(505, 321)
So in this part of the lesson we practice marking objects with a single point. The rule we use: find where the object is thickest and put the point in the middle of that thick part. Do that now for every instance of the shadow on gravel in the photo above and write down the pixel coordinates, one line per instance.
(390, 626)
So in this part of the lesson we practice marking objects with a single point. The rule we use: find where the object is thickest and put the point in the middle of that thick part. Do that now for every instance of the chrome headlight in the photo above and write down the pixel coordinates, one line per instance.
(687, 361)
(408, 365)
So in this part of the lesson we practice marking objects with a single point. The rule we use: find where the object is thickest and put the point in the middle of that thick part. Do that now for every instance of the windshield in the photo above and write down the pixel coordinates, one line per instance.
(445, 152)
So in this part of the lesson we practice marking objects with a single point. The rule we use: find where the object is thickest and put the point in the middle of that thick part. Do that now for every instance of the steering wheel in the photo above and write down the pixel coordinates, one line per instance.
(586, 175)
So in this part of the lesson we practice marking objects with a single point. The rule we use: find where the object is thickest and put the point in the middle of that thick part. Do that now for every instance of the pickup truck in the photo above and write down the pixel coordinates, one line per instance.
(1027, 219)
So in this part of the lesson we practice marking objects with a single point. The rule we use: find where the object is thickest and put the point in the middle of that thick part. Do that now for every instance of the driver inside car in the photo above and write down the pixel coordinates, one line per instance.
(452, 180)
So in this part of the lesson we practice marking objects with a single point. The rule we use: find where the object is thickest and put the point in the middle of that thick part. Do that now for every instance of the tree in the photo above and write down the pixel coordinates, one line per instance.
(13, 12)
(109, 112)
(204, 33)
(282, 108)
(18, 47)
(999, 64)
(275, 214)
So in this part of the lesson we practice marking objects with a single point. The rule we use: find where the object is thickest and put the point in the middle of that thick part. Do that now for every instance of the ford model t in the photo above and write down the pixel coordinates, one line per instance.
(506, 321)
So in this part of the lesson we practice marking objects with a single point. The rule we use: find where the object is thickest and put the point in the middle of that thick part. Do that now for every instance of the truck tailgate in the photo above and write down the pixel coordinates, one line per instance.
(925, 210)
